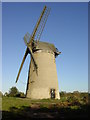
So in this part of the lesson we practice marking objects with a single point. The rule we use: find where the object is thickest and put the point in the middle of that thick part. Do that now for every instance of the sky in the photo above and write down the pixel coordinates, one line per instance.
(66, 28)
(88, 48)
(45, 0)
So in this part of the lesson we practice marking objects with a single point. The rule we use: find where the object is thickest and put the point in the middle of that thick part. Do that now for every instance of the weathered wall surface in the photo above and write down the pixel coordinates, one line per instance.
(39, 85)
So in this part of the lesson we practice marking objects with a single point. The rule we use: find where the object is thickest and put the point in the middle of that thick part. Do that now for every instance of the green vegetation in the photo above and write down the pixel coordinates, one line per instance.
(71, 105)
(14, 92)
(1, 94)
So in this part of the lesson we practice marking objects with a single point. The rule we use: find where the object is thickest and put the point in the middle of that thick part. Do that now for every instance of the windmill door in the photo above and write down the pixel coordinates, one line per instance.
(52, 93)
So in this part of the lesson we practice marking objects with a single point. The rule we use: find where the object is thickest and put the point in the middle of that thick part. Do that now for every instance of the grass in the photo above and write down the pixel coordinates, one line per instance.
(23, 108)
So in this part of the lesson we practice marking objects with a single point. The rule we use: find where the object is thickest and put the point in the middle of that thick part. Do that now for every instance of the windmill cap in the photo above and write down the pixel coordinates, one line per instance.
(45, 46)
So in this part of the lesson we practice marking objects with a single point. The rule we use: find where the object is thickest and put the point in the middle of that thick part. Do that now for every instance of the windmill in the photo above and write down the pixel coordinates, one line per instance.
(42, 75)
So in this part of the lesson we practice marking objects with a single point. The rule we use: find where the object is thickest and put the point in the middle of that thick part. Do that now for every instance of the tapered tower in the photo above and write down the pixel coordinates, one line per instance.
(44, 84)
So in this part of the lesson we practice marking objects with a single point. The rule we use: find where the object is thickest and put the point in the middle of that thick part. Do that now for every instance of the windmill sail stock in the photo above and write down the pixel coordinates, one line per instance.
(29, 39)
(42, 24)
(25, 55)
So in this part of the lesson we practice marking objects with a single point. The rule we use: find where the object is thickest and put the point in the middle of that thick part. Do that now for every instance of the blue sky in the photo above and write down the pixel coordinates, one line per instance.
(66, 28)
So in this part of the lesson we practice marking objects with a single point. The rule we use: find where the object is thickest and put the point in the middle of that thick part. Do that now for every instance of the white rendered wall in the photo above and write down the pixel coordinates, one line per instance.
(39, 85)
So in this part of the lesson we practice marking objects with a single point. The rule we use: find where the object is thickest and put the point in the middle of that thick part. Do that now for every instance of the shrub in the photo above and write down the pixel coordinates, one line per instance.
(6, 94)
(62, 94)
(73, 100)
(22, 95)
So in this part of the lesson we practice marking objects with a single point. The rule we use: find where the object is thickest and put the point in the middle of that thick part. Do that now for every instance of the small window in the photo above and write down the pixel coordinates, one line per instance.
(52, 93)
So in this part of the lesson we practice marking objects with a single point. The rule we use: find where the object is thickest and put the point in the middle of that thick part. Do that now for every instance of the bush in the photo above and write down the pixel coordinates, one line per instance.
(62, 94)
(6, 94)
(84, 99)
(22, 95)
(73, 100)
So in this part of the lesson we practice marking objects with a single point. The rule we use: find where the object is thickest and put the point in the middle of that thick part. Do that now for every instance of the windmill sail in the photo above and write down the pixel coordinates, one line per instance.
(29, 44)
(25, 55)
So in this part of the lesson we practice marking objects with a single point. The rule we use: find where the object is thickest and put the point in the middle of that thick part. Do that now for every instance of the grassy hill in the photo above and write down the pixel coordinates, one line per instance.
(69, 106)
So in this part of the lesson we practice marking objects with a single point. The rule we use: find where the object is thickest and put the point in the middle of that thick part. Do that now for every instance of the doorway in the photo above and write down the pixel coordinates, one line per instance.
(52, 93)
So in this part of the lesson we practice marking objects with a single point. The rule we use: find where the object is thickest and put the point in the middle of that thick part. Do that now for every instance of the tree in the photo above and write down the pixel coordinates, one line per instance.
(13, 92)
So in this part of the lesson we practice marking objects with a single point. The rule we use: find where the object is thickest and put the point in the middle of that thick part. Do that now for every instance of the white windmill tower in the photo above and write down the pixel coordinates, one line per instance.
(42, 76)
